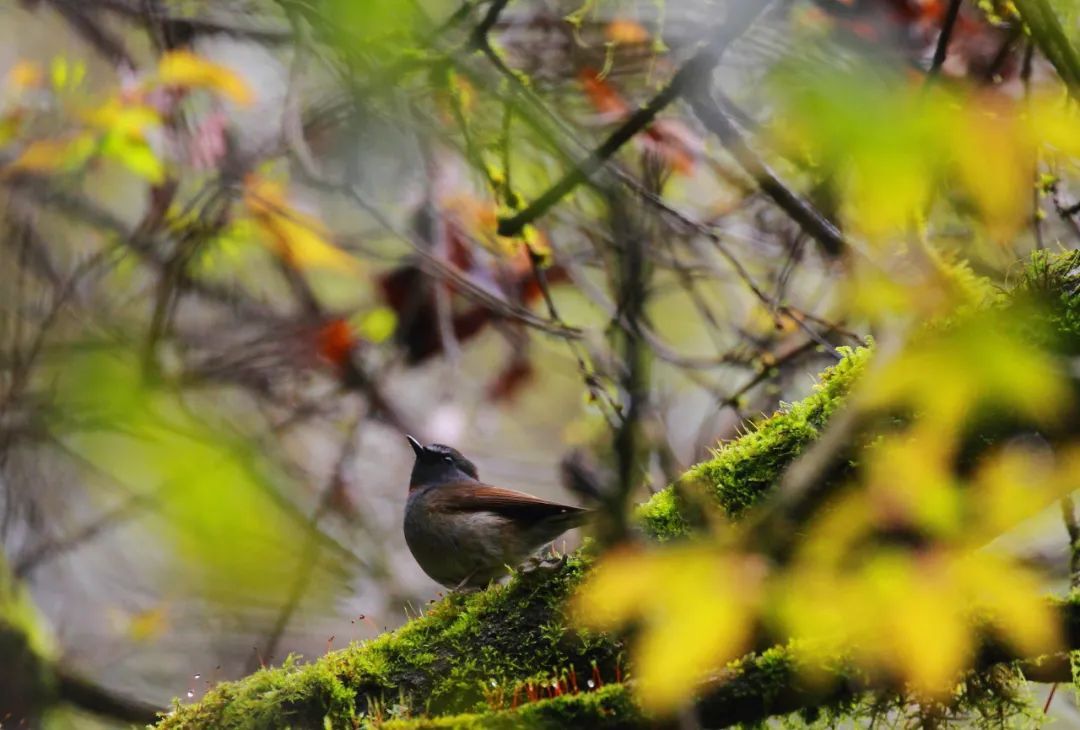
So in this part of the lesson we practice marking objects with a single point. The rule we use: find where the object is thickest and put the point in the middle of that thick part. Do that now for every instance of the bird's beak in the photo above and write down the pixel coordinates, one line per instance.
(417, 447)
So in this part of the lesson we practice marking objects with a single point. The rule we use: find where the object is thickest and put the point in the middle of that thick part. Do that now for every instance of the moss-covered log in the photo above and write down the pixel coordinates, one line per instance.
(479, 660)
(774, 682)
(462, 654)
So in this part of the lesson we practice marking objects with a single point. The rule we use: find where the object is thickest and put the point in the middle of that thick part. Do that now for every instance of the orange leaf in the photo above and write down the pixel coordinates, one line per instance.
(25, 75)
(624, 31)
(601, 94)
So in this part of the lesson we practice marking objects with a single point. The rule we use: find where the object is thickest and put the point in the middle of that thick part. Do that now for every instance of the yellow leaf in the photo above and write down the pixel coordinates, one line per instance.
(49, 155)
(696, 609)
(1053, 124)
(116, 117)
(136, 156)
(946, 376)
(996, 182)
(1011, 600)
(296, 237)
(183, 68)
(614, 592)
(924, 634)
(65, 74)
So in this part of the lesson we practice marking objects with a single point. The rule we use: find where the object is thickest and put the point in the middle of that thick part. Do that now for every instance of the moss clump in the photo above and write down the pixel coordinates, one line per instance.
(742, 471)
(1051, 287)
(437, 664)
(663, 515)
(609, 708)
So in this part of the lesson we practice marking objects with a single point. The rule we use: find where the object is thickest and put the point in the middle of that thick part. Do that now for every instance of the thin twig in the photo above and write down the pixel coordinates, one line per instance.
(942, 49)
(1072, 528)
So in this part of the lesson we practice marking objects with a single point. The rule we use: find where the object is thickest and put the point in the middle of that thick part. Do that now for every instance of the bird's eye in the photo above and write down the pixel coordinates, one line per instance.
(448, 459)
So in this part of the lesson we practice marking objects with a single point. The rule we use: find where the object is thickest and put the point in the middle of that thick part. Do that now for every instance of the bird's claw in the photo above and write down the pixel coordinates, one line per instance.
(545, 562)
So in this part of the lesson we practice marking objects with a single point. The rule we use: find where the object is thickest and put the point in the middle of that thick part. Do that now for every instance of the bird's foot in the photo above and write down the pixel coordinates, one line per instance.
(545, 562)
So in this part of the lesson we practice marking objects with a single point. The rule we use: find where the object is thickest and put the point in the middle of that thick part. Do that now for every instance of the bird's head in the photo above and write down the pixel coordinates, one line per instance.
(439, 464)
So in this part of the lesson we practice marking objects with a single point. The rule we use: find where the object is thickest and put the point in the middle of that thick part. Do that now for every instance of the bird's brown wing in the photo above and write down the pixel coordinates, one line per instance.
(472, 497)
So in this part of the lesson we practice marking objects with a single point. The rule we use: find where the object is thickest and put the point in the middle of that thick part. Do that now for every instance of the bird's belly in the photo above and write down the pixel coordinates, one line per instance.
(454, 549)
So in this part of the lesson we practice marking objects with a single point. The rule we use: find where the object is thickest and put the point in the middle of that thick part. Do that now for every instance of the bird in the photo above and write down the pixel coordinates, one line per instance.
(465, 533)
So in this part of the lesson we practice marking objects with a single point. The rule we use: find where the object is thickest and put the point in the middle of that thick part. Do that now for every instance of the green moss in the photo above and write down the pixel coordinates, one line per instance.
(439, 663)
(662, 515)
(610, 708)
(742, 471)
(1051, 288)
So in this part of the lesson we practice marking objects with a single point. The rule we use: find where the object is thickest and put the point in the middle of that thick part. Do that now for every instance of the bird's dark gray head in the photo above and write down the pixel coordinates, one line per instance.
(439, 464)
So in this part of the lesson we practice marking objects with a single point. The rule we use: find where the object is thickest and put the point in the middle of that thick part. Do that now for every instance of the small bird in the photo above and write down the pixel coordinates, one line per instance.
(465, 533)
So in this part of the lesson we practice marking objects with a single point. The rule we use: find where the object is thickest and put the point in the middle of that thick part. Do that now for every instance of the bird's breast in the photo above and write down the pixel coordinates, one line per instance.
(450, 546)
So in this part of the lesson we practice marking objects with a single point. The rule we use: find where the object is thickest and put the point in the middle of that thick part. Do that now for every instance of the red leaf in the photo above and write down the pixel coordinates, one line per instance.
(335, 342)
(517, 373)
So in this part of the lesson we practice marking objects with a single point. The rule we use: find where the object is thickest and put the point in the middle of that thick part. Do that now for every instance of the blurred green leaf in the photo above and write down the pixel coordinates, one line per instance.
(210, 491)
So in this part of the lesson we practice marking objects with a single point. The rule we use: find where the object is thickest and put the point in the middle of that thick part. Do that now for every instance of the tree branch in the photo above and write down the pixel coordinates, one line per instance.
(97, 700)
(799, 210)
(1051, 39)
(701, 64)
(942, 49)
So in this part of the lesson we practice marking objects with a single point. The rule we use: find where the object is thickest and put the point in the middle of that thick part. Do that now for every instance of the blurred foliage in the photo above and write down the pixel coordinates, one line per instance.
(895, 554)
(212, 493)
(118, 128)
(894, 147)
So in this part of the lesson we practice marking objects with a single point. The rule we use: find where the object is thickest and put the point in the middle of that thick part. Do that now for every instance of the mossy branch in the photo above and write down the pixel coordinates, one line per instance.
(465, 651)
